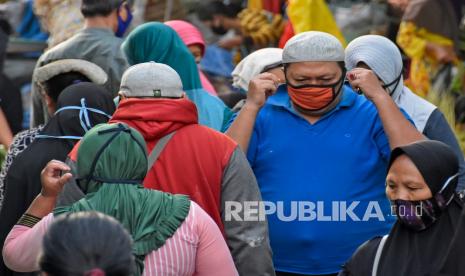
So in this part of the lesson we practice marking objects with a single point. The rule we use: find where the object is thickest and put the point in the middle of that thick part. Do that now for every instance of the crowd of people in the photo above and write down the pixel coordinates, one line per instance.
(322, 154)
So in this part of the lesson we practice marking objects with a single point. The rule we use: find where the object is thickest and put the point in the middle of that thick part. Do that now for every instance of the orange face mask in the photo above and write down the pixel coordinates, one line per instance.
(313, 97)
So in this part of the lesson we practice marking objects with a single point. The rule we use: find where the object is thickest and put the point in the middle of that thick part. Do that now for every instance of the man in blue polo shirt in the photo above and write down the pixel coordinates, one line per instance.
(320, 155)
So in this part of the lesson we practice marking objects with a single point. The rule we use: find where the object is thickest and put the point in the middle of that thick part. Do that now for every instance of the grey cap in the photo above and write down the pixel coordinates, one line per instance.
(151, 79)
(313, 46)
(90, 70)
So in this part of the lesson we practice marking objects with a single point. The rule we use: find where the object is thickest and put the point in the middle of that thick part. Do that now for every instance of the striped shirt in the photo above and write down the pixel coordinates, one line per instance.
(196, 248)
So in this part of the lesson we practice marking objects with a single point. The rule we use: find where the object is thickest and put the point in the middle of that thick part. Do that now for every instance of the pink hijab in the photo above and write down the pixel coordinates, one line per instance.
(190, 35)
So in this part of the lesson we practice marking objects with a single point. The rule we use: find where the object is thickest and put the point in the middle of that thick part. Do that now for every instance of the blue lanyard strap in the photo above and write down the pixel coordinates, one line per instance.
(84, 114)
(43, 136)
(83, 118)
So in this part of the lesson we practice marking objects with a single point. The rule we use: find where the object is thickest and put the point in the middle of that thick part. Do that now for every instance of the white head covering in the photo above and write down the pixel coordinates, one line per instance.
(254, 64)
(313, 46)
(381, 55)
(384, 58)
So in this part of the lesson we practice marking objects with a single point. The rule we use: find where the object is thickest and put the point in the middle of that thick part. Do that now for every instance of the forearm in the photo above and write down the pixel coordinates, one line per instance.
(23, 246)
(41, 206)
(397, 128)
(242, 128)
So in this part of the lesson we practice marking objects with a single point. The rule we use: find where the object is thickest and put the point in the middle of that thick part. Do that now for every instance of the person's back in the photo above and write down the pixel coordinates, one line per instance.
(98, 43)
(205, 152)
(22, 182)
(171, 234)
(197, 161)
(53, 78)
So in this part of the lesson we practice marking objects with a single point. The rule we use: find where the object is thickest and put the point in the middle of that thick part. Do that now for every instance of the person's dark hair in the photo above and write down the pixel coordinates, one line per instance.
(207, 10)
(91, 8)
(54, 86)
(79, 243)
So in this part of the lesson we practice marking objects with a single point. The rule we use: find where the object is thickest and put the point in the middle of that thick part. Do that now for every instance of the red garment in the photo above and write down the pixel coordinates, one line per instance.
(273, 6)
(287, 34)
(194, 160)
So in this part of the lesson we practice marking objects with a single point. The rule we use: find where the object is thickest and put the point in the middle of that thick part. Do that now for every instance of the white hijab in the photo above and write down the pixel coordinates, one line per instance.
(254, 64)
(384, 58)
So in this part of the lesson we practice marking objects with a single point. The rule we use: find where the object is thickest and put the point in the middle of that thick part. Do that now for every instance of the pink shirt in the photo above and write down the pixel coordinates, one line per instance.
(196, 248)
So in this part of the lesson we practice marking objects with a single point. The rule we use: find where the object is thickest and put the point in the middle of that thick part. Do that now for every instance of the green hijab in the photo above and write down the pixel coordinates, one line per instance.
(111, 165)
(160, 43)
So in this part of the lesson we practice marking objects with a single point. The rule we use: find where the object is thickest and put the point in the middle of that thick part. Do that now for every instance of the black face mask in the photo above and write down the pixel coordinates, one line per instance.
(396, 82)
(219, 30)
(422, 214)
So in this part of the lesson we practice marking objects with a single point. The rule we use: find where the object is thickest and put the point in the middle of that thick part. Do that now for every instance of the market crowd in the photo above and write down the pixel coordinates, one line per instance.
(282, 146)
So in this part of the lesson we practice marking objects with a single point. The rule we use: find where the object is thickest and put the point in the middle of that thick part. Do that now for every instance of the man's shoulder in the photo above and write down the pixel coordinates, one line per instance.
(205, 132)
(208, 139)
(77, 46)
(65, 49)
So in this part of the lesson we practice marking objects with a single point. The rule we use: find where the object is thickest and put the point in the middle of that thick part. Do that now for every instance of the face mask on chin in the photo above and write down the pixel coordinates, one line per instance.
(316, 100)
(123, 25)
(422, 214)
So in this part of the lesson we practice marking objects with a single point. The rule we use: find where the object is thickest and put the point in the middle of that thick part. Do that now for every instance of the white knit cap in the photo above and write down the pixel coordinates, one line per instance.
(151, 79)
(313, 46)
(254, 64)
(380, 54)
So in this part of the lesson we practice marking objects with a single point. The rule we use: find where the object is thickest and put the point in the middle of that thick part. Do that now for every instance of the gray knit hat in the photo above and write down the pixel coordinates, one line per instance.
(90, 70)
(313, 46)
(151, 79)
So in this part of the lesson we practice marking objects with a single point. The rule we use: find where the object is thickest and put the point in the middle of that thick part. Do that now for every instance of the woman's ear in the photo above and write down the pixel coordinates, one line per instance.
(51, 104)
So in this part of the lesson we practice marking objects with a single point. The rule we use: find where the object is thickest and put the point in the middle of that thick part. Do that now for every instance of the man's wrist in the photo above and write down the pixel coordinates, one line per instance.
(45, 196)
(251, 107)
(380, 98)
